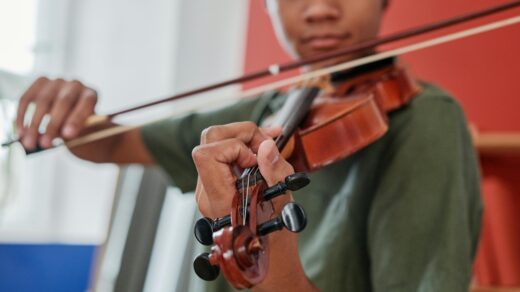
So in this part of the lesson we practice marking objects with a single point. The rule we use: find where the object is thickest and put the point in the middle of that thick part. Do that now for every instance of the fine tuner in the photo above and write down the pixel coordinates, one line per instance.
(204, 227)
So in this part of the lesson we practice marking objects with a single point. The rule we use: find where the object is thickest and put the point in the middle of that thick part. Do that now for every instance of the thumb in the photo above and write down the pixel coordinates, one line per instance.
(273, 167)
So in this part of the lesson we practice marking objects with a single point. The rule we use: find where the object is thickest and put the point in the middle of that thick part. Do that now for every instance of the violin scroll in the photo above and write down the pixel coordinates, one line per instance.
(205, 227)
(241, 249)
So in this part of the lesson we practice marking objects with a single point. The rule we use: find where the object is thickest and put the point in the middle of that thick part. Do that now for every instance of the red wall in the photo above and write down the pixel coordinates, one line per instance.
(483, 72)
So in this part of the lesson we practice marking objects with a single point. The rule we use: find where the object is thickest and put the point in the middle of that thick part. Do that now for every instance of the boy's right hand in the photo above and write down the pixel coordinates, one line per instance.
(68, 104)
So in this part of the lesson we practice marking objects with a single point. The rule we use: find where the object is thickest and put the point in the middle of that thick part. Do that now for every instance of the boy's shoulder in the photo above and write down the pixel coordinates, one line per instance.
(431, 105)
(433, 95)
(433, 118)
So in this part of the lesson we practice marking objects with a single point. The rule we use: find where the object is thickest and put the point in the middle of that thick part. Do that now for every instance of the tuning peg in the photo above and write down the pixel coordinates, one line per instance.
(292, 182)
(204, 228)
(204, 269)
(292, 218)
(297, 181)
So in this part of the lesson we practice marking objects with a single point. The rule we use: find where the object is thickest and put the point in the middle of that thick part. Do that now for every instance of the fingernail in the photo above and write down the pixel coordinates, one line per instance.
(28, 142)
(68, 131)
(273, 154)
(45, 142)
(276, 157)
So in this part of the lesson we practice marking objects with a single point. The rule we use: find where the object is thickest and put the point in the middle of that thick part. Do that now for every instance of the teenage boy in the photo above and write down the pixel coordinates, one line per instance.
(403, 214)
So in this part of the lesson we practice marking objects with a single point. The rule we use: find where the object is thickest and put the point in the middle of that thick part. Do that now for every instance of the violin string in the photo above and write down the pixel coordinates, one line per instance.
(242, 195)
(244, 203)
(244, 215)
(311, 75)
(245, 198)
(244, 190)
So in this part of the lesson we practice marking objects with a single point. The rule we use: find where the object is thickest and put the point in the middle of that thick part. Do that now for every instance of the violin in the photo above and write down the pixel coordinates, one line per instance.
(322, 123)
(334, 113)
(352, 116)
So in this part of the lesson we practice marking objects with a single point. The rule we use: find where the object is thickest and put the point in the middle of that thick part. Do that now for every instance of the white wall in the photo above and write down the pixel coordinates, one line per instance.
(16, 44)
(126, 50)
(130, 51)
(211, 48)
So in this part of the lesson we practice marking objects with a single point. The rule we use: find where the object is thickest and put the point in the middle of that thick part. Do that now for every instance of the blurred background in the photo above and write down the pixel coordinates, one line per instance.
(55, 209)
(70, 225)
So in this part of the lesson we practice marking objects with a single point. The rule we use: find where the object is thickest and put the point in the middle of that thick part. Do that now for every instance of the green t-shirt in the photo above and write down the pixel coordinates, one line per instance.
(403, 214)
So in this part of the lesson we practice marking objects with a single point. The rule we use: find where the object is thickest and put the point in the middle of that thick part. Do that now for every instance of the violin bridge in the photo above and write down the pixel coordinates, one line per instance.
(322, 81)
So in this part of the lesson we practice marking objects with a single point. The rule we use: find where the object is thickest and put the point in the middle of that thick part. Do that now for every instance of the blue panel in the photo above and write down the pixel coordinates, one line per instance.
(41, 267)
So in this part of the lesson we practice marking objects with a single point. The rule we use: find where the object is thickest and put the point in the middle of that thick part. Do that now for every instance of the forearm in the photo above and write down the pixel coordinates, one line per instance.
(285, 271)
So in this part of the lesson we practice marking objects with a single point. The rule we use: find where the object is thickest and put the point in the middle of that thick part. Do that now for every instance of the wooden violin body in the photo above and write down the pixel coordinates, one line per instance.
(351, 118)
(333, 126)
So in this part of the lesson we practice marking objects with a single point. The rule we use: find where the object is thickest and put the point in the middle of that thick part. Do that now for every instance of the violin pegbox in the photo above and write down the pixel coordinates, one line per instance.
(241, 249)
(205, 227)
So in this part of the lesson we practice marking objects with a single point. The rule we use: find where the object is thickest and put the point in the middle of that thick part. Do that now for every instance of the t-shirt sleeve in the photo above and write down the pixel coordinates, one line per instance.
(425, 219)
(171, 141)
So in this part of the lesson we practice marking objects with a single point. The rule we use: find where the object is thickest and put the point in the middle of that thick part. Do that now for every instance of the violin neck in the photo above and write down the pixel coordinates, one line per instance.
(293, 112)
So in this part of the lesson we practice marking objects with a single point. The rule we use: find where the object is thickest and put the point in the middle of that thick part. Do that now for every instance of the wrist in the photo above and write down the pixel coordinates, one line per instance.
(285, 271)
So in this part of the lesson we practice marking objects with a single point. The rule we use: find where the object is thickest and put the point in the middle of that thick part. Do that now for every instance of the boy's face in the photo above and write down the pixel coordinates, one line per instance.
(309, 27)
